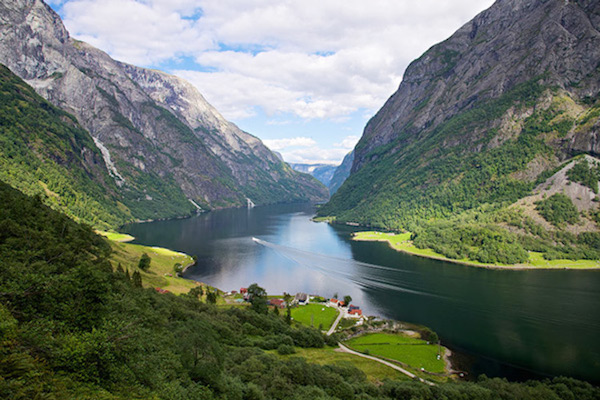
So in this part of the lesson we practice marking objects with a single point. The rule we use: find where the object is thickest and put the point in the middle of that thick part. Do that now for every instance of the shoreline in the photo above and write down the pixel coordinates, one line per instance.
(515, 267)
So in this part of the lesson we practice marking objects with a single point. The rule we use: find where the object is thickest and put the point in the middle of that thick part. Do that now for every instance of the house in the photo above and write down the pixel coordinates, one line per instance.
(355, 313)
(333, 302)
(301, 298)
(234, 292)
(161, 291)
(243, 290)
(279, 303)
(353, 307)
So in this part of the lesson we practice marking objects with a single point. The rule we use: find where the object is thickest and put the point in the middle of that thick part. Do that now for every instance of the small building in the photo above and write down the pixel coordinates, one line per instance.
(353, 307)
(161, 291)
(333, 302)
(301, 298)
(234, 292)
(355, 313)
(243, 290)
(279, 303)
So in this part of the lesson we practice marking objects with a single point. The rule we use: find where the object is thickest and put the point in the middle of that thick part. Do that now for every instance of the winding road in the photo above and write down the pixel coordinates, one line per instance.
(389, 364)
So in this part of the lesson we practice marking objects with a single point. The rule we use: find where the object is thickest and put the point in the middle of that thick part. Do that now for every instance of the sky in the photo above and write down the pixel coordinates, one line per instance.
(304, 76)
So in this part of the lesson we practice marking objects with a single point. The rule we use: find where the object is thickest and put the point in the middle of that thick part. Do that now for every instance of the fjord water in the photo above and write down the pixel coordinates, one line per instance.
(513, 323)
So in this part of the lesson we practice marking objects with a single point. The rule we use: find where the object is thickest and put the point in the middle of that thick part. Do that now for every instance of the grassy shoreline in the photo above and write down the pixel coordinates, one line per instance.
(401, 242)
(161, 273)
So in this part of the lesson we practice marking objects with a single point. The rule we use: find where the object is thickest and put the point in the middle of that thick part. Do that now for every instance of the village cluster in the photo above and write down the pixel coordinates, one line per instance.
(300, 299)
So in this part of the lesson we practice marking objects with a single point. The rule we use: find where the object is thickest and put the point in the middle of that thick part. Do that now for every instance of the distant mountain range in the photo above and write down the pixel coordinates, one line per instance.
(323, 172)
(479, 121)
(167, 151)
(331, 176)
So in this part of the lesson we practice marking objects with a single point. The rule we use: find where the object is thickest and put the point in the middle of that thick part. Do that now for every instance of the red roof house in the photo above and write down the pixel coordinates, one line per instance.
(277, 303)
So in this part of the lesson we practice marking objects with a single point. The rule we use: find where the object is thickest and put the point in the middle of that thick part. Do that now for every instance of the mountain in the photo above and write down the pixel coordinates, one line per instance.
(479, 120)
(74, 325)
(167, 150)
(342, 172)
(44, 151)
(323, 172)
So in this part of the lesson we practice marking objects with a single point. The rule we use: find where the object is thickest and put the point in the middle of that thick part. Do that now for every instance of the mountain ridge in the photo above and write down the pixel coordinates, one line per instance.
(163, 150)
(476, 122)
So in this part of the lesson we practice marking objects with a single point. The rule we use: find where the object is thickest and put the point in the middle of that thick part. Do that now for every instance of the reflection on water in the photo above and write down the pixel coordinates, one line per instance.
(546, 321)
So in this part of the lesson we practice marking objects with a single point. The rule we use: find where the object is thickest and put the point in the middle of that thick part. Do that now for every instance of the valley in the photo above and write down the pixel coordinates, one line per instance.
(149, 243)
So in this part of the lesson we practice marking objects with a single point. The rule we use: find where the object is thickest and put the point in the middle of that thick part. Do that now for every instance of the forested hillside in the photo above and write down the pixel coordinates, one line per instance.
(43, 150)
(72, 326)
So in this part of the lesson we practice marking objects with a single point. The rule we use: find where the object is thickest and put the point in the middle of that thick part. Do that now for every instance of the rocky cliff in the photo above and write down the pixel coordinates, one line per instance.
(480, 117)
(513, 42)
(342, 172)
(165, 147)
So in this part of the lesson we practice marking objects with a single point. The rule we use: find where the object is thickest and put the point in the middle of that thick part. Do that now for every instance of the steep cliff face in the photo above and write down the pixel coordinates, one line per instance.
(511, 43)
(342, 172)
(44, 151)
(481, 116)
(163, 144)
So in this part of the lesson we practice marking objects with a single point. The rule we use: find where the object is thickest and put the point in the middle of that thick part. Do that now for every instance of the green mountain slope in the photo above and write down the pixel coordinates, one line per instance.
(167, 149)
(72, 327)
(479, 121)
(44, 151)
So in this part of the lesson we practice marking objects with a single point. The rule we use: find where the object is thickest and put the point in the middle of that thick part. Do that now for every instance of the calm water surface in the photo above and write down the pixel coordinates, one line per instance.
(516, 324)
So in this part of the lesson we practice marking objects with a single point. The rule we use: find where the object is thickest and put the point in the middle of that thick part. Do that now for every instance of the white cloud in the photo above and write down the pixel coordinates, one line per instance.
(279, 144)
(306, 150)
(311, 58)
(314, 155)
(348, 142)
(138, 32)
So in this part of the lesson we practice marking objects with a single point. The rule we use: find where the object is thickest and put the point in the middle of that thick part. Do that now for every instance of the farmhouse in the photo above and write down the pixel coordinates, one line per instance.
(301, 298)
(280, 303)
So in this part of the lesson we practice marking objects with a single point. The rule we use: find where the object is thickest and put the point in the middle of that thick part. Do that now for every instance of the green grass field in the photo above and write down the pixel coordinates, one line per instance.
(374, 371)
(414, 352)
(315, 315)
(116, 237)
(401, 242)
(163, 261)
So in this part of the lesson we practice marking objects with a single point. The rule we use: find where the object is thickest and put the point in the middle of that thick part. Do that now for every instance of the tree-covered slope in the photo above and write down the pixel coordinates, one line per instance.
(480, 118)
(72, 326)
(44, 151)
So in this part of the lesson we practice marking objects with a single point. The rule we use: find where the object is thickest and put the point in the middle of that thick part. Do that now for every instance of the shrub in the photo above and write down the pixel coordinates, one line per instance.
(286, 349)
(558, 209)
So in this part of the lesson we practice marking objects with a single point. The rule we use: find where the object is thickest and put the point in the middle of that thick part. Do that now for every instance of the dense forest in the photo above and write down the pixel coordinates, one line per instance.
(74, 326)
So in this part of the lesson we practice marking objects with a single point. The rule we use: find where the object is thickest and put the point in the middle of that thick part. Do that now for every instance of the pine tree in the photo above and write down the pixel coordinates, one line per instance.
(137, 279)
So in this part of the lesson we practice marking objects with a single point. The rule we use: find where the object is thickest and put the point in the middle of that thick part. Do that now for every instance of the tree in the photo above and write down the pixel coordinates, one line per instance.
(335, 295)
(288, 305)
(144, 263)
(196, 292)
(347, 300)
(211, 296)
(120, 271)
(178, 269)
(258, 298)
(137, 279)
